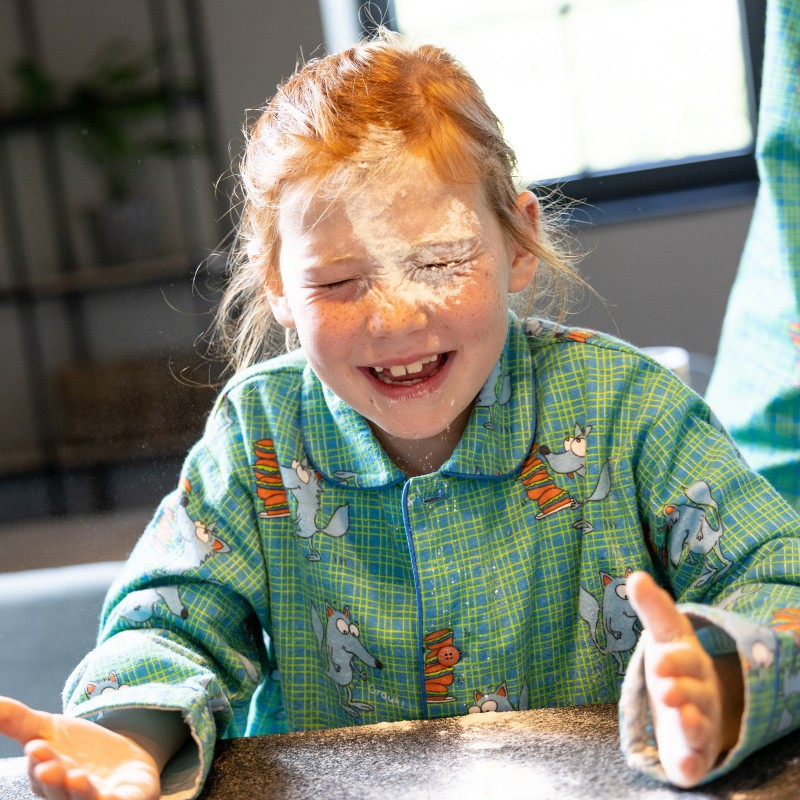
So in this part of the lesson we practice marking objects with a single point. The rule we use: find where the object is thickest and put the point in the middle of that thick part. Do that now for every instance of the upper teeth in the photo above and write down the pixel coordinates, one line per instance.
(400, 370)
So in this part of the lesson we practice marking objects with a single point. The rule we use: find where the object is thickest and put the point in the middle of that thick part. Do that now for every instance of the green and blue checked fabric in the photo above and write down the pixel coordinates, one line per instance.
(296, 579)
(755, 386)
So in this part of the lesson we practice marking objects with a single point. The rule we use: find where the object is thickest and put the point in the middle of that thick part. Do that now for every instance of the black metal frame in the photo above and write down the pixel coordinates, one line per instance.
(24, 296)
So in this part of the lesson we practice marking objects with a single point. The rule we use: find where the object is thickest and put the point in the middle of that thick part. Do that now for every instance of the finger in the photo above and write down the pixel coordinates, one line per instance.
(686, 693)
(79, 785)
(698, 756)
(40, 750)
(688, 771)
(674, 693)
(136, 783)
(680, 659)
(34, 781)
(656, 609)
(698, 730)
(683, 746)
(21, 723)
(50, 777)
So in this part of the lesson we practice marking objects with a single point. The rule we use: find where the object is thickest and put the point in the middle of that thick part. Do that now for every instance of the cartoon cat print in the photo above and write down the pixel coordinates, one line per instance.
(104, 686)
(571, 461)
(142, 606)
(498, 700)
(787, 620)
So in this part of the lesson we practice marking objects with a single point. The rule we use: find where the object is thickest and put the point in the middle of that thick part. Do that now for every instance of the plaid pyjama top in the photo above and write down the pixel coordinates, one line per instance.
(755, 386)
(296, 579)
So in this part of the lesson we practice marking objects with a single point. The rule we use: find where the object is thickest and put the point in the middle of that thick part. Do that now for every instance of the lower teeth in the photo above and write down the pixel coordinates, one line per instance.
(397, 383)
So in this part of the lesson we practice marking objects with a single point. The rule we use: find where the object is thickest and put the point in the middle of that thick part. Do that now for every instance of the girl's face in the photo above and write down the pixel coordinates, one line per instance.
(398, 292)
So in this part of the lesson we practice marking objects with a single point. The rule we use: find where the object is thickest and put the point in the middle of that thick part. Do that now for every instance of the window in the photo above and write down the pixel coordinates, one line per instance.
(614, 97)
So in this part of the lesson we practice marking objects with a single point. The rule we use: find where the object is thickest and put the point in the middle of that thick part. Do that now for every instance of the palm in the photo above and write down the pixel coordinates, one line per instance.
(75, 756)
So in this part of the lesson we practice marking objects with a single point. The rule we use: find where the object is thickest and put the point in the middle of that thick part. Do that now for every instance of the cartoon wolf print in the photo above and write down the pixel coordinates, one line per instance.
(495, 392)
(185, 543)
(693, 530)
(142, 606)
(305, 484)
(620, 625)
(340, 646)
(571, 461)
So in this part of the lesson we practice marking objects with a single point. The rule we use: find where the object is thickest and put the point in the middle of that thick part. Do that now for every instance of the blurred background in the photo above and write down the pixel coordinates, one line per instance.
(119, 123)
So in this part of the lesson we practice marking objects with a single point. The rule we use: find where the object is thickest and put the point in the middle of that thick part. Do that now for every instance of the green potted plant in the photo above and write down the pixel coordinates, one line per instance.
(117, 110)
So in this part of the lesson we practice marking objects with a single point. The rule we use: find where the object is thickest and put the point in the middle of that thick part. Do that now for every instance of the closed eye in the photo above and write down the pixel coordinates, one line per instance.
(439, 265)
(333, 285)
(349, 284)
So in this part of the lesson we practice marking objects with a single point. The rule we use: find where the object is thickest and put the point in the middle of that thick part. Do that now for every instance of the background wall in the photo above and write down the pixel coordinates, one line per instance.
(665, 280)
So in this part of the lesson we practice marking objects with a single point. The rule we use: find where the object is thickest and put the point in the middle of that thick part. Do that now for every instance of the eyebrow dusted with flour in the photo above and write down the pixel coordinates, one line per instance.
(444, 251)
(432, 250)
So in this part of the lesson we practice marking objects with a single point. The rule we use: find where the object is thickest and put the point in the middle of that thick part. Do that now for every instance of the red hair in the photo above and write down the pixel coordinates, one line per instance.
(317, 125)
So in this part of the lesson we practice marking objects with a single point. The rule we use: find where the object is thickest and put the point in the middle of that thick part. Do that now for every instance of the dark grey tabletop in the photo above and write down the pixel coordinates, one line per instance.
(548, 754)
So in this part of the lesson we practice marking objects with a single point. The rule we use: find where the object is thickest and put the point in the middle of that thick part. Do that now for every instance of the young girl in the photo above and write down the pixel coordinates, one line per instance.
(431, 507)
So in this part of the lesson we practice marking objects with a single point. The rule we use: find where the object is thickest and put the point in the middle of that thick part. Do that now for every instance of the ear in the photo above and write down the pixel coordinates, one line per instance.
(523, 262)
(281, 309)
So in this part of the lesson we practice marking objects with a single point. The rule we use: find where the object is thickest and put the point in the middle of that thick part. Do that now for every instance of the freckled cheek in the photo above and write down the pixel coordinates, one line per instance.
(329, 327)
(482, 303)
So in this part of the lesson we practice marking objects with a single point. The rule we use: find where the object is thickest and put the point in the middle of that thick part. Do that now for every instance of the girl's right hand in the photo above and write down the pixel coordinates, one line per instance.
(73, 759)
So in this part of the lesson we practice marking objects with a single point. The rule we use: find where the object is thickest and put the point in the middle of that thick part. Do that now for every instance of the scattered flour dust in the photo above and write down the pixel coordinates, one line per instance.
(485, 718)
(467, 721)
(402, 725)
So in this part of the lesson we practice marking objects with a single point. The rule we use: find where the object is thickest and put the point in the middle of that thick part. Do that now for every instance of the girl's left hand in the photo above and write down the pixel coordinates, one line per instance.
(687, 695)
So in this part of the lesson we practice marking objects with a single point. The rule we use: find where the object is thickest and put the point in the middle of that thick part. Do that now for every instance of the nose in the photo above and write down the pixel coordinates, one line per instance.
(395, 311)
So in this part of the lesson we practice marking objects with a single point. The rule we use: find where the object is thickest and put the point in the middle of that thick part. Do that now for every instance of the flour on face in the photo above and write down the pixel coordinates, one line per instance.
(419, 268)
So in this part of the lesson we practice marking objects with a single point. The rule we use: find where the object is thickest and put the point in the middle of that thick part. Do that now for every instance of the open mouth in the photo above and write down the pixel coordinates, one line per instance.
(410, 374)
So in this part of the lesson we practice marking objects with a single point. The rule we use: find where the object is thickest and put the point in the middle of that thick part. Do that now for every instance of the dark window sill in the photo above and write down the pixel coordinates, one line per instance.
(664, 204)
